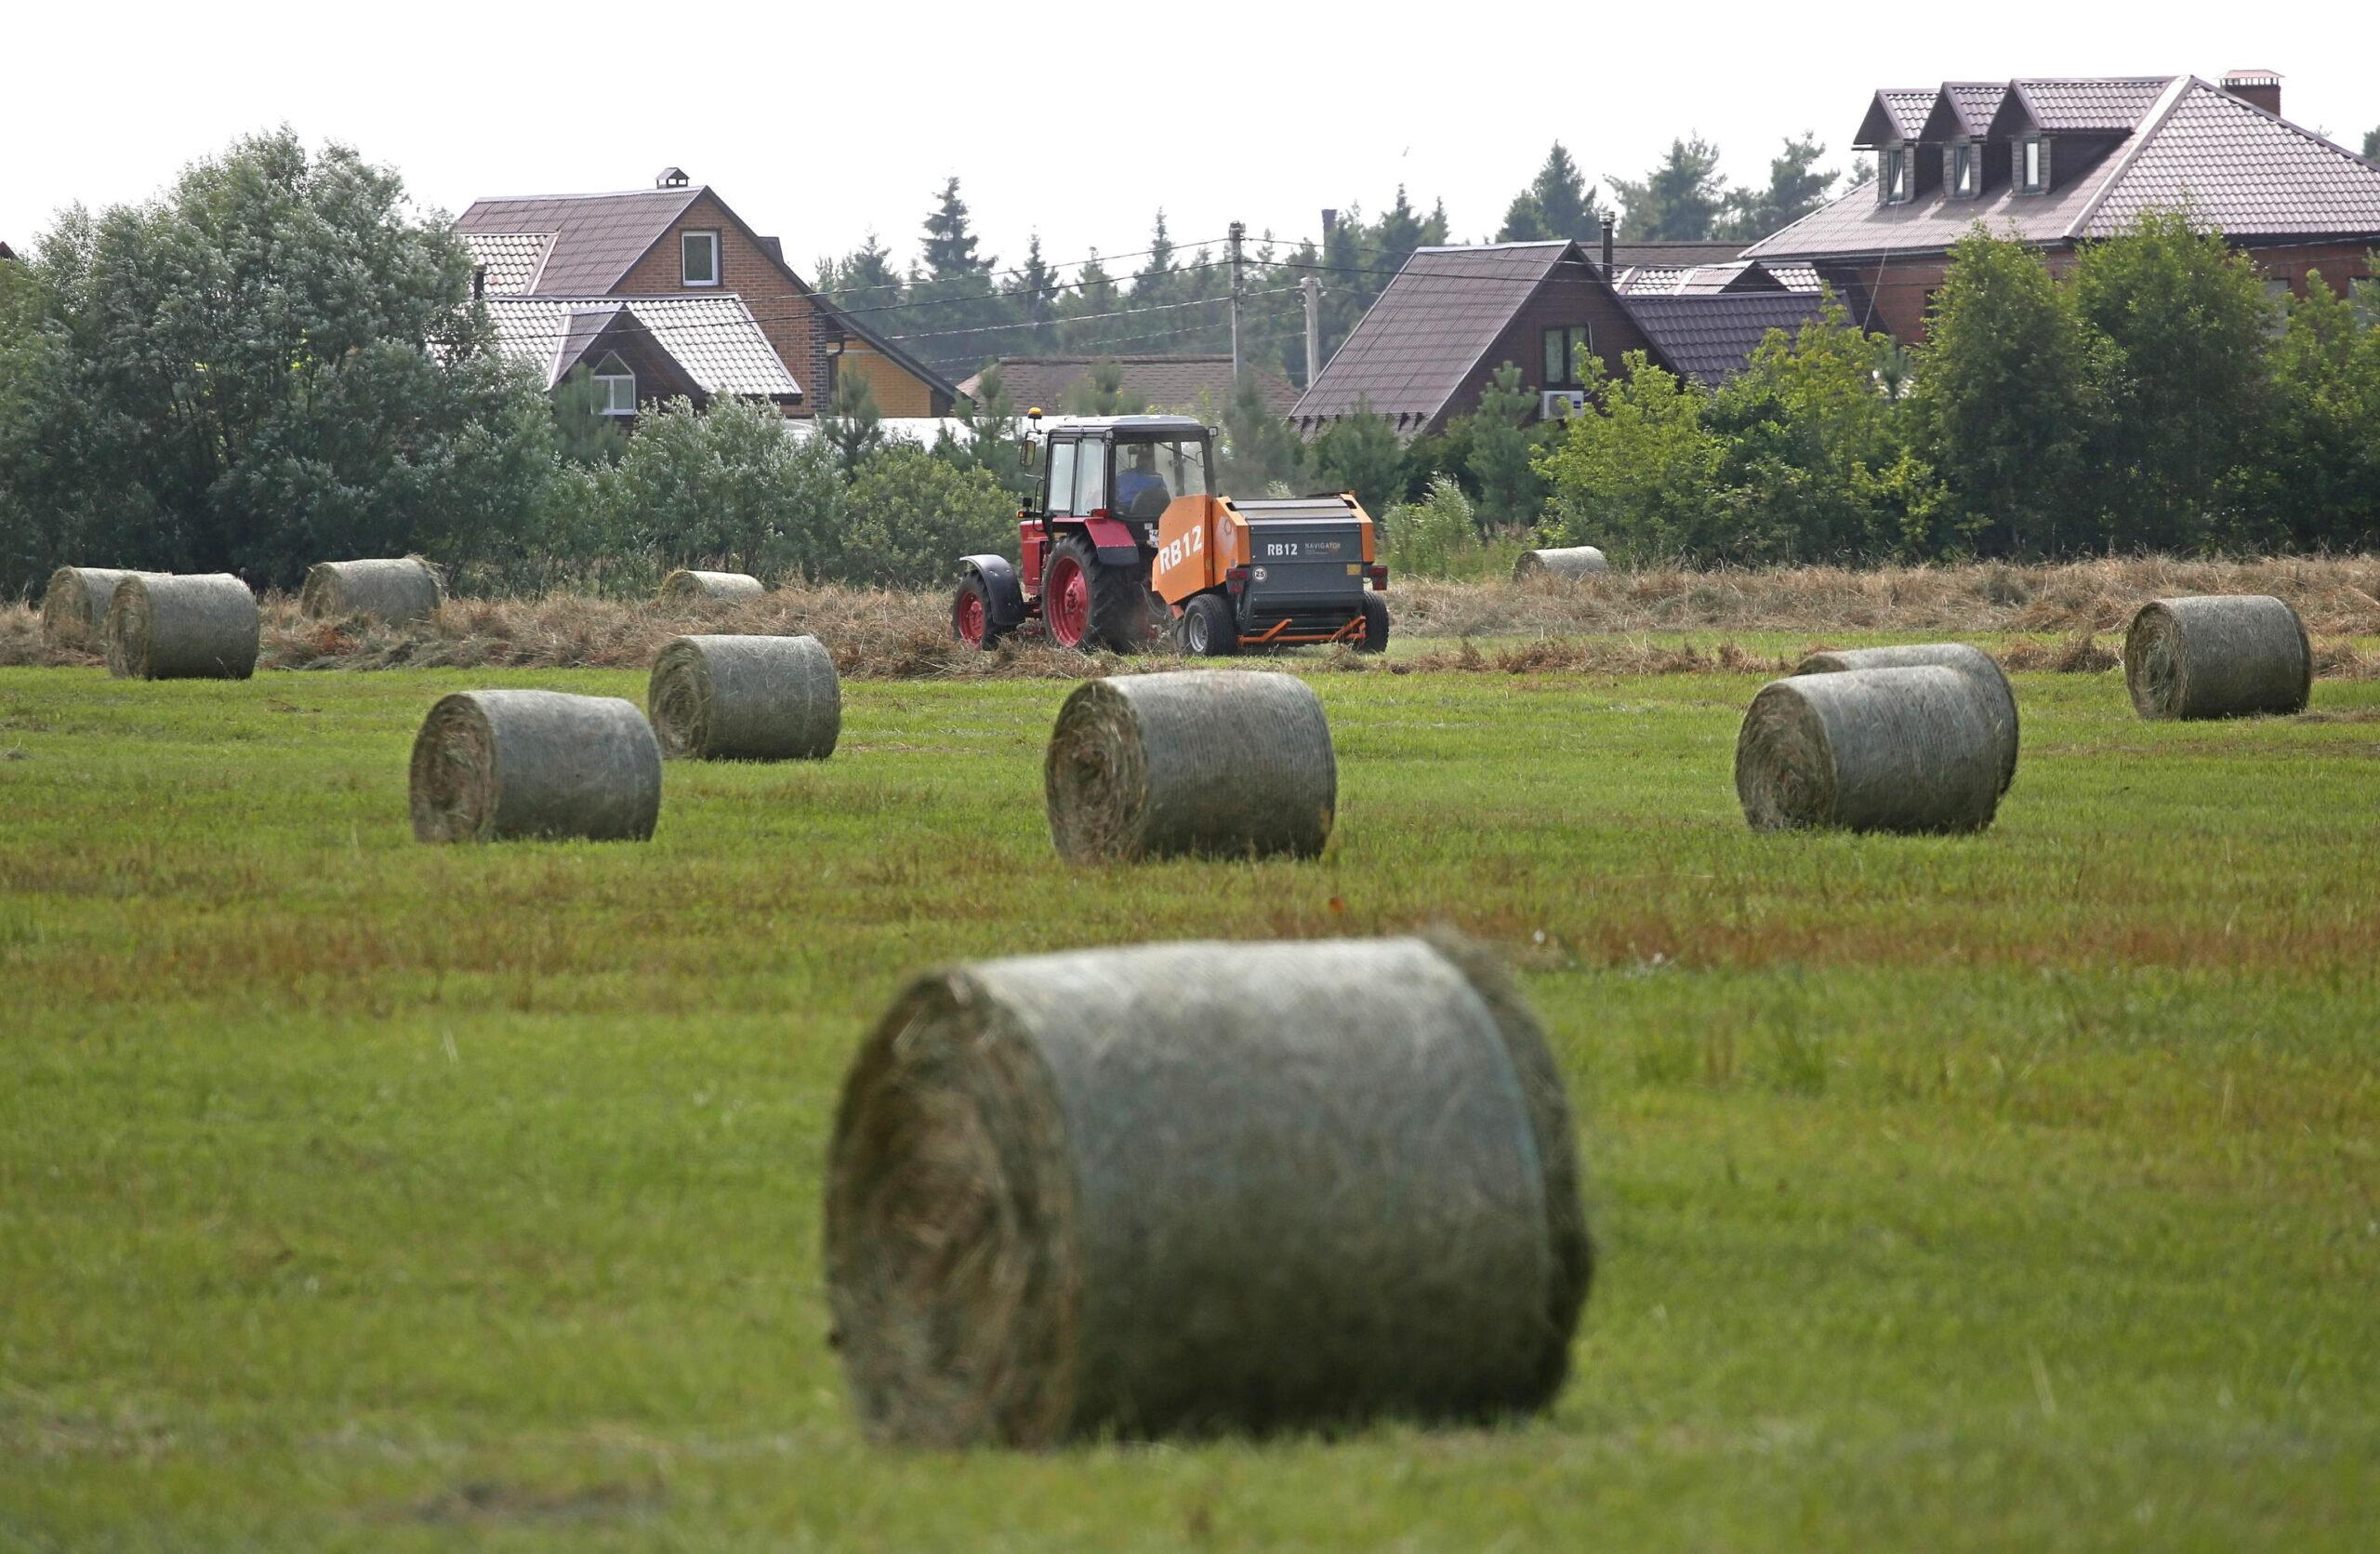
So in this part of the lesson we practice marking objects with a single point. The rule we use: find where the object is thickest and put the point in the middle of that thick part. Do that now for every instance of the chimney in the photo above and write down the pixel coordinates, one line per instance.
(1606, 248)
(670, 178)
(1329, 225)
(2260, 89)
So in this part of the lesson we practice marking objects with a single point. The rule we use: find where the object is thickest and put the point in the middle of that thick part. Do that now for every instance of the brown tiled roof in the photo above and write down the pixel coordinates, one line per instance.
(713, 338)
(1963, 108)
(1429, 328)
(597, 238)
(1701, 279)
(1166, 383)
(2131, 143)
(1711, 337)
(1896, 114)
(1623, 255)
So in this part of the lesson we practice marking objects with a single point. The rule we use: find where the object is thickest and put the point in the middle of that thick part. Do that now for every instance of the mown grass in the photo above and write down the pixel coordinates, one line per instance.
(2018, 1190)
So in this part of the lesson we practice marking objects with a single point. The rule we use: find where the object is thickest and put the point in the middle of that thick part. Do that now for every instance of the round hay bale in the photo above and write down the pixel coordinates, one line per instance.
(406, 589)
(1192, 1187)
(746, 698)
(1888, 750)
(197, 628)
(1569, 563)
(74, 606)
(695, 588)
(2214, 656)
(2000, 697)
(495, 765)
(1218, 763)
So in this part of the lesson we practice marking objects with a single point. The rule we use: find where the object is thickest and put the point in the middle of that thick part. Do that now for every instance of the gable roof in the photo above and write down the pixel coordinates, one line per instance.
(2174, 140)
(1166, 383)
(1896, 113)
(713, 338)
(596, 238)
(1963, 108)
(1431, 326)
(1711, 337)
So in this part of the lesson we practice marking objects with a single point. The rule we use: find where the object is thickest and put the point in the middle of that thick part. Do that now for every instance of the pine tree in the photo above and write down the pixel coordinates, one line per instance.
(1556, 205)
(1678, 201)
(948, 251)
(863, 278)
(1795, 189)
(1033, 296)
(1094, 292)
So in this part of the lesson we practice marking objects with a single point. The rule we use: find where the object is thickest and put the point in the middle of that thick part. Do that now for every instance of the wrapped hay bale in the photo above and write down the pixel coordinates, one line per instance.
(1889, 749)
(1989, 680)
(746, 698)
(695, 588)
(1569, 563)
(74, 606)
(406, 589)
(1192, 1186)
(1222, 763)
(197, 628)
(2217, 656)
(493, 765)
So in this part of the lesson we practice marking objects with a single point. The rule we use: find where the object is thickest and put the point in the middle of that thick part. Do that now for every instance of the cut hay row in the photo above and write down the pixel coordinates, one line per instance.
(499, 765)
(1198, 1186)
(406, 589)
(1982, 670)
(1885, 749)
(1214, 763)
(74, 606)
(201, 628)
(746, 698)
(2218, 658)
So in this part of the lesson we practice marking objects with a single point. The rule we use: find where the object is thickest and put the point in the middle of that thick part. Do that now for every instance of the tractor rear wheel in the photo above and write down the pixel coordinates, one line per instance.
(1375, 625)
(1087, 605)
(970, 615)
(1208, 630)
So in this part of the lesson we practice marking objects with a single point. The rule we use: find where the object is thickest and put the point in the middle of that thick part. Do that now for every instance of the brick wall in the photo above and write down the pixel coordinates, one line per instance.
(898, 391)
(1560, 303)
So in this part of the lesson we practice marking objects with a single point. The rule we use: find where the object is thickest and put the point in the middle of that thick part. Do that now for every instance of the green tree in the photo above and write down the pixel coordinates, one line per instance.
(2186, 322)
(1360, 452)
(863, 278)
(953, 305)
(271, 362)
(2372, 144)
(1679, 201)
(1502, 445)
(1101, 391)
(584, 433)
(1438, 536)
(910, 516)
(2315, 475)
(1640, 478)
(2008, 400)
(1257, 446)
(726, 487)
(1032, 295)
(852, 424)
(1556, 205)
(1795, 188)
(1081, 321)
(991, 436)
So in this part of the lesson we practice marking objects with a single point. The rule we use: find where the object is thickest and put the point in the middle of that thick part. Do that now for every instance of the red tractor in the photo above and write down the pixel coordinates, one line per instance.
(1128, 538)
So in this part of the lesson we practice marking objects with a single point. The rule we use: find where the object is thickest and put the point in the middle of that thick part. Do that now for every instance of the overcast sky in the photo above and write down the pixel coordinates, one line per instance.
(819, 123)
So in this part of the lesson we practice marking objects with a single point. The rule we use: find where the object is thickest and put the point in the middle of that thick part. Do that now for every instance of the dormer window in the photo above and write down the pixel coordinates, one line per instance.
(700, 253)
(2032, 165)
(614, 388)
(1896, 175)
(1958, 169)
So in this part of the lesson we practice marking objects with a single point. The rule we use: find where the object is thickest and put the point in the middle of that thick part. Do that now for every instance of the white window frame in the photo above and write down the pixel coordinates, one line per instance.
(1962, 181)
(2032, 165)
(1896, 180)
(685, 244)
(609, 385)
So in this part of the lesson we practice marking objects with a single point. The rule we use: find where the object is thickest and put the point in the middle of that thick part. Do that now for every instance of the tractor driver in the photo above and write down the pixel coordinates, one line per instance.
(1141, 492)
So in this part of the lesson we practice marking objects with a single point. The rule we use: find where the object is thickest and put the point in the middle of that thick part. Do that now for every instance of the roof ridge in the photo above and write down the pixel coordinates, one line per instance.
(2234, 100)
(2160, 113)
(598, 194)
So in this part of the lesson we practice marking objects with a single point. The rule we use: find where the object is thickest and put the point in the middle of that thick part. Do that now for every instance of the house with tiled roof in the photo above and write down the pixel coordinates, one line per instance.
(1163, 383)
(673, 278)
(2058, 162)
(1452, 316)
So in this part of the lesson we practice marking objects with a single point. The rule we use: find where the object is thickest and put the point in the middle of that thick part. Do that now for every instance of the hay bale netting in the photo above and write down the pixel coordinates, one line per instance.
(1220, 763)
(1569, 563)
(74, 606)
(746, 698)
(695, 588)
(197, 628)
(1192, 1186)
(1989, 680)
(2217, 656)
(406, 589)
(495, 765)
(1887, 750)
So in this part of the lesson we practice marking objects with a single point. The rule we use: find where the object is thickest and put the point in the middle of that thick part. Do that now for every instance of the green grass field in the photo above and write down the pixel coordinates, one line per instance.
(2020, 1191)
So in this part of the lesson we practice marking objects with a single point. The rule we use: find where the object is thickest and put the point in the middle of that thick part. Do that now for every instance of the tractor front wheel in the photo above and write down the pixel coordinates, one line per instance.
(971, 615)
(1208, 630)
(1085, 604)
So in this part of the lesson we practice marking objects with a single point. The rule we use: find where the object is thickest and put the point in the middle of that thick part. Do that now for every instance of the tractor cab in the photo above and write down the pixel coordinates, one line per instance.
(1128, 534)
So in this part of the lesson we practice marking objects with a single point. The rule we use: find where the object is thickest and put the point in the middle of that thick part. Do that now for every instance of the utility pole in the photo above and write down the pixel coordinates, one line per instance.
(1238, 230)
(1312, 286)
